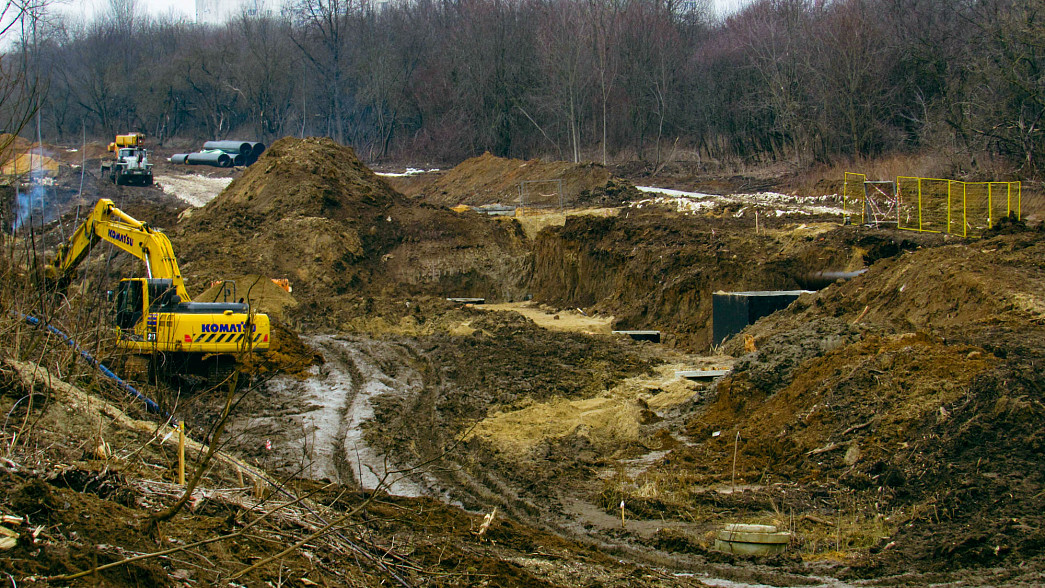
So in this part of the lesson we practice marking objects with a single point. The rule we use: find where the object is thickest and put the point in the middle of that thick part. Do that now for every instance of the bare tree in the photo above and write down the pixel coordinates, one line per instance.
(566, 68)
(265, 59)
(323, 38)
(20, 84)
(1007, 106)
(605, 20)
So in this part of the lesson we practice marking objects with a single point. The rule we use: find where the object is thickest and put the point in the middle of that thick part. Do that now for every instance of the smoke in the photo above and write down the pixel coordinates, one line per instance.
(31, 197)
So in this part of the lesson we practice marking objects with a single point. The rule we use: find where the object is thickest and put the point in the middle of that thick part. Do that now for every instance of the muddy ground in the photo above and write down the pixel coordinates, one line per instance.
(891, 423)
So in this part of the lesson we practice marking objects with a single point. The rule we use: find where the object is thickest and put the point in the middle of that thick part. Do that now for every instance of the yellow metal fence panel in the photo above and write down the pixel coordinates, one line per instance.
(977, 208)
(907, 196)
(853, 195)
(943, 206)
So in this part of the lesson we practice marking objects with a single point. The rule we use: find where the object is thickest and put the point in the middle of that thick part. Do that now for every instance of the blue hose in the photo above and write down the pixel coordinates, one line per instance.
(150, 405)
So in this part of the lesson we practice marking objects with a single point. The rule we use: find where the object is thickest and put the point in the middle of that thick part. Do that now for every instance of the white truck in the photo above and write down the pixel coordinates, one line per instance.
(130, 162)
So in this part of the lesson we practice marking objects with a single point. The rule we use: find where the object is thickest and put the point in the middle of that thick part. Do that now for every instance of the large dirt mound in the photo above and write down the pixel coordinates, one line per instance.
(302, 211)
(918, 387)
(311, 211)
(488, 179)
(312, 177)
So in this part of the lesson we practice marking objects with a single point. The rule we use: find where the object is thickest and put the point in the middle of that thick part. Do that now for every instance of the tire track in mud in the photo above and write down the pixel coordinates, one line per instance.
(418, 422)
(331, 410)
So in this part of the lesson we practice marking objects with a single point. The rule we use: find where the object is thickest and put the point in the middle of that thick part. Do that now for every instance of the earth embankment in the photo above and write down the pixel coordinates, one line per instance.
(310, 211)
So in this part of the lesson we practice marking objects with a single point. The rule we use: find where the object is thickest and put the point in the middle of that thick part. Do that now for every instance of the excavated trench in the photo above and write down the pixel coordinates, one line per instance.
(407, 410)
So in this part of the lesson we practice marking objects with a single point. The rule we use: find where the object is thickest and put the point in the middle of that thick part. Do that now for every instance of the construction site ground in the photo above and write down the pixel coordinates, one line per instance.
(892, 423)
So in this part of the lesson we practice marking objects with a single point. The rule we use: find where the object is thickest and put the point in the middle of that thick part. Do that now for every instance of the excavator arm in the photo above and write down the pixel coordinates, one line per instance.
(108, 223)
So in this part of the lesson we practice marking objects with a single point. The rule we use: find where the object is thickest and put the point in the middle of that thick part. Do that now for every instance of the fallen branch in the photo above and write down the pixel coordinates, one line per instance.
(829, 447)
(321, 532)
(817, 520)
(856, 427)
(145, 556)
(483, 528)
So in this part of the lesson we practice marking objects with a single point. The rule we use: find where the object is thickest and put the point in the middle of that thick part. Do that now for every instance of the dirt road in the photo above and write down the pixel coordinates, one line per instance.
(315, 426)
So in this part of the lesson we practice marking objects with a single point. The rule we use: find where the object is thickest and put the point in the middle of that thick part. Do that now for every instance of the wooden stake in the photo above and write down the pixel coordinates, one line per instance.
(622, 514)
(181, 453)
(733, 481)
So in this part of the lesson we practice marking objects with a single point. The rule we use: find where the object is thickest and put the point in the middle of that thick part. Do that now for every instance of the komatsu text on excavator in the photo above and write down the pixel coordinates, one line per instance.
(154, 314)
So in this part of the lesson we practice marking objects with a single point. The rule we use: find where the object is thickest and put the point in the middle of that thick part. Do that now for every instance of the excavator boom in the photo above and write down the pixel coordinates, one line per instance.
(108, 223)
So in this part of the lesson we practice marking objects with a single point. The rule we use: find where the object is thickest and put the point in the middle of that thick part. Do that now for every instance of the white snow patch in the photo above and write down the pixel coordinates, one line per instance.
(196, 190)
(780, 204)
(410, 171)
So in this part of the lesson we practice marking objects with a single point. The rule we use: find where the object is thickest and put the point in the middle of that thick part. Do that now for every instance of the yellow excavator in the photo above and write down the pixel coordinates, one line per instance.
(154, 314)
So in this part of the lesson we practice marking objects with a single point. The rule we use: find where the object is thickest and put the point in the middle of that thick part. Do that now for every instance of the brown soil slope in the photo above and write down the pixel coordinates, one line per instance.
(657, 270)
(488, 179)
(918, 386)
(309, 210)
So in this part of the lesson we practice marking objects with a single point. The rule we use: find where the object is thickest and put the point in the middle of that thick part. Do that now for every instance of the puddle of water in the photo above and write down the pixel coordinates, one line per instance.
(334, 410)
(328, 394)
(370, 468)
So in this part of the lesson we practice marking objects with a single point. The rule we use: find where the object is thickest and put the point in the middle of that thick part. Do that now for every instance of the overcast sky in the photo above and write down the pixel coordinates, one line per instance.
(187, 8)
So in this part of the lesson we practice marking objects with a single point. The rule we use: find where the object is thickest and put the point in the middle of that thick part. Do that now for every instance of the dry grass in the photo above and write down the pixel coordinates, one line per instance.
(836, 530)
(534, 220)
(610, 422)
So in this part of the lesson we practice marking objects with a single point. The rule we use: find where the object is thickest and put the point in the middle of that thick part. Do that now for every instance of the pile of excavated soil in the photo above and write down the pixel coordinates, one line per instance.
(488, 179)
(917, 386)
(260, 292)
(310, 211)
(658, 270)
(303, 210)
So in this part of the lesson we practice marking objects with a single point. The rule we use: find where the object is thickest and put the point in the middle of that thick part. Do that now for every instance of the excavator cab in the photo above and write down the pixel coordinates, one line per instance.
(130, 302)
(134, 295)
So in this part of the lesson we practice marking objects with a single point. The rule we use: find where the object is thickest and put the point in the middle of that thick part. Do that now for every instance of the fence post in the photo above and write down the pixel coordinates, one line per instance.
(965, 210)
(919, 204)
(181, 453)
(990, 205)
(949, 206)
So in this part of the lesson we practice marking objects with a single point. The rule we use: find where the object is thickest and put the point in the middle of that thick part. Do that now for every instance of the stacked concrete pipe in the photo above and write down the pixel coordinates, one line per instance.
(222, 154)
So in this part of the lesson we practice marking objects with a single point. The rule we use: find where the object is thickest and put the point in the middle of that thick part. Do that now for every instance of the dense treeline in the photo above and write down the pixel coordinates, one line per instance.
(801, 80)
